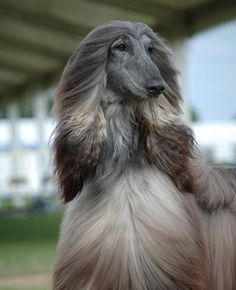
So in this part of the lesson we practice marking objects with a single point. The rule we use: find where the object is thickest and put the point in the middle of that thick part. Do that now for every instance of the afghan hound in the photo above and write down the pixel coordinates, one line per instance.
(144, 212)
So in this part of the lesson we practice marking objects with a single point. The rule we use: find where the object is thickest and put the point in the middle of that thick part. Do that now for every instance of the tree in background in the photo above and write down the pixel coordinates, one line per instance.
(194, 116)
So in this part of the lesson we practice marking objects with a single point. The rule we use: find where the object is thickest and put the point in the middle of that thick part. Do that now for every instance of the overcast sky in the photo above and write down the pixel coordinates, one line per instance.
(211, 73)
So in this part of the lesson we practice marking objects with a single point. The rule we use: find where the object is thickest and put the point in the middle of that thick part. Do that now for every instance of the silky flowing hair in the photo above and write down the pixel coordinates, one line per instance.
(82, 125)
(145, 211)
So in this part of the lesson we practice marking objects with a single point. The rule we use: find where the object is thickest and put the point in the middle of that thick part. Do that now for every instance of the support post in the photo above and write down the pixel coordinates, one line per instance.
(180, 53)
(40, 114)
(13, 115)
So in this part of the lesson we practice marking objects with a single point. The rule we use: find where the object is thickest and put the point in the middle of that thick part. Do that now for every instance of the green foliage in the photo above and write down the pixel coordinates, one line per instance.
(194, 117)
(6, 204)
(3, 109)
(26, 107)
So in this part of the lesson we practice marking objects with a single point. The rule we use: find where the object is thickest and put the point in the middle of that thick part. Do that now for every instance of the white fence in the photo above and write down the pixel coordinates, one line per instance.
(26, 170)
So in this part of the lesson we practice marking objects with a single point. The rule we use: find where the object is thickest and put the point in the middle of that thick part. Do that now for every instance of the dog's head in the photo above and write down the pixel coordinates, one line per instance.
(137, 65)
(126, 58)
(116, 63)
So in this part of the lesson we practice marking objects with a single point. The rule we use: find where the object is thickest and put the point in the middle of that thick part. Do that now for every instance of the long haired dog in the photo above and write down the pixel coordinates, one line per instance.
(145, 212)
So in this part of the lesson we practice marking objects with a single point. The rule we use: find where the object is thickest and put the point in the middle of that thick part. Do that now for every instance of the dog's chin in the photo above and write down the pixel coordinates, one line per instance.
(126, 96)
(140, 96)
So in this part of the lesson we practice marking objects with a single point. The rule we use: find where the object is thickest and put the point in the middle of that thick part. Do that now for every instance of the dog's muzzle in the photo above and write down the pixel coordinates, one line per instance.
(155, 87)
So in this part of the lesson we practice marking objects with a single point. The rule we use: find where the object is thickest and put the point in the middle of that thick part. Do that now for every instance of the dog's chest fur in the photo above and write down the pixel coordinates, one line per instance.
(130, 228)
(136, 232)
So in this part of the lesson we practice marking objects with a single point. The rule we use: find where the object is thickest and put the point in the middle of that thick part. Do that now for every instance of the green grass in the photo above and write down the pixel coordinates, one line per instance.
(28, 245)
(26, 258)
(34, 228)
(13, 288)
(35, 288)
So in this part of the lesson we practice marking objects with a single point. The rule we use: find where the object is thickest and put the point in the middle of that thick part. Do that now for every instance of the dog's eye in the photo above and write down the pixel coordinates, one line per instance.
(120, 47)
(150, 49)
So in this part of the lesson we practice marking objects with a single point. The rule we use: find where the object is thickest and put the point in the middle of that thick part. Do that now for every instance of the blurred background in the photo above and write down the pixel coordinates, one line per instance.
(36, 39)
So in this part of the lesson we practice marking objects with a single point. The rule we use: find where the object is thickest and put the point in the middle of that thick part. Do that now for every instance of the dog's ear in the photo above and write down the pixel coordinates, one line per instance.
(174, 151)
(174, 154)
(81, 122)
(168, 143)
(171, 148)
(82, 126)
(77, 147)
(162, 56)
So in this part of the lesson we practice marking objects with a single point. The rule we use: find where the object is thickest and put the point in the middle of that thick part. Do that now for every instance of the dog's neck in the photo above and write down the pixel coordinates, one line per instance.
(147, 133)
(121, 145)
(125, 118)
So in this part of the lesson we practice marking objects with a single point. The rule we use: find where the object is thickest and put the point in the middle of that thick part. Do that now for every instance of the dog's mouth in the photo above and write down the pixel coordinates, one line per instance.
(140, 97)
(152, 88)
(125, 96)
(154, 96)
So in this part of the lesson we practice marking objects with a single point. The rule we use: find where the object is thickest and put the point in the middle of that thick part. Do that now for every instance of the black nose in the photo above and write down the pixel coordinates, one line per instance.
(155, 87)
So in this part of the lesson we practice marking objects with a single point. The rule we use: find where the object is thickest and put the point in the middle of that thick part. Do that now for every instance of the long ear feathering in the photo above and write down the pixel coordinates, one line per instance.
(171, 147)
(168, 143)
(77, 151)
(81, 127)
(163, 58)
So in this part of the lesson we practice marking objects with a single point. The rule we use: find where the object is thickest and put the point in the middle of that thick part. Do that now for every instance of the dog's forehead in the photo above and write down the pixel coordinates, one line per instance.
(144, 38)
(141, 40)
